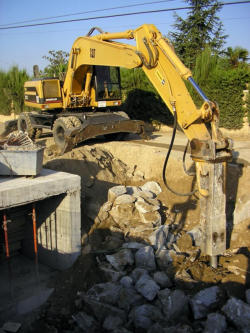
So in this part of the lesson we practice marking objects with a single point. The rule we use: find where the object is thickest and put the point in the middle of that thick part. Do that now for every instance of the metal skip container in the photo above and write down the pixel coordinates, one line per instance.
(19, 156)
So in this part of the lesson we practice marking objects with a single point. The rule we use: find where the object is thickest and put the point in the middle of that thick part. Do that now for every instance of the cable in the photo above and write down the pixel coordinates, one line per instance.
(166, 162)
(183, 162)
(89, 11)
(115, 15)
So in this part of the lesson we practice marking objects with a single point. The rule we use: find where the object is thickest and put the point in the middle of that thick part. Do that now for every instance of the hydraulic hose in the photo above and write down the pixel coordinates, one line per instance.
(166, 162)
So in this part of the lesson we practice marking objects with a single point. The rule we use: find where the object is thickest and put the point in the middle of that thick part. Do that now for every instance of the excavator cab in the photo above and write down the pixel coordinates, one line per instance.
(107, 83)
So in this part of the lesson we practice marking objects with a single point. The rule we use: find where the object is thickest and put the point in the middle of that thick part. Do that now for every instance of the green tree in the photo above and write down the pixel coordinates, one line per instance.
(58, 61)
(236, 55)
(12, 89)
(202, 27)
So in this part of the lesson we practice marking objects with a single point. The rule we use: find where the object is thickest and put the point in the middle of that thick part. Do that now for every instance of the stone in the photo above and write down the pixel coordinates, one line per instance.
(236, 264)
(125, 215)
(174, 304)
(147, 287)
(144, 206)
(156, 328)
(151, 187)
(128, 298)
(180, 328)
(124, 199)
(106, 207)
(184, 242)
(205, 301)
(248, 296)
(121, 330)
(238, 312)
(134, 191)
(137, 273)
(158, 238)
(115, 192)
(111, 274)
(215, 323)
(110, 323)
(11, 326)
(126, 281)
(153, 218)
(105, 292)
(102, 310)
(145, 315)
(164, 258)
(184, 280)
(196, 234)
(85, 322)
(121, 259)
(133, 245)
(144, 258)
(162, 279)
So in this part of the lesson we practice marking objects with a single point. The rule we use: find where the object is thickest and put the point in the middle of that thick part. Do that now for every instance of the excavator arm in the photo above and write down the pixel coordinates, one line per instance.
(209, 149)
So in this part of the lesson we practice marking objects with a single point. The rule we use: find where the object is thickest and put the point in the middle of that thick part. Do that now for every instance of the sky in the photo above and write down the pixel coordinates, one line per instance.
(26, 46)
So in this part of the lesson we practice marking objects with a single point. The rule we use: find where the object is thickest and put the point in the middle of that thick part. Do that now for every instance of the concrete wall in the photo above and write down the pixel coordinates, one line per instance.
(58, 214)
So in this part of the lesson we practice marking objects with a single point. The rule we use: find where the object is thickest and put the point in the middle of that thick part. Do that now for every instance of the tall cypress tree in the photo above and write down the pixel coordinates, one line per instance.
(202, 27)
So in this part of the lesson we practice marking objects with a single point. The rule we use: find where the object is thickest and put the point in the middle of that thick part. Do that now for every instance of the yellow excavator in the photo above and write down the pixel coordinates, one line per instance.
(88, 102)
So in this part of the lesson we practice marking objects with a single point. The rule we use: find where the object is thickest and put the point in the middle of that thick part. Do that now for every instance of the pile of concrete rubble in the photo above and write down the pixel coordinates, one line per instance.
(151, 285)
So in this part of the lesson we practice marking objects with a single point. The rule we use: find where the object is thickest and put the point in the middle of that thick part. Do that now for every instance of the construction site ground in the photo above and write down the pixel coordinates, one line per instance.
(103, 164)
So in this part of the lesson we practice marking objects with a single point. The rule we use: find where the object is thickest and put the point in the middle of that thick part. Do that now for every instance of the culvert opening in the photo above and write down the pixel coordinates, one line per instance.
(35, 242)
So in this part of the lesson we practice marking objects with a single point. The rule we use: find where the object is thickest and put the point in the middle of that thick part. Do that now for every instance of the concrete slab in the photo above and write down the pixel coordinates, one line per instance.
(15, 191)
(58, 214)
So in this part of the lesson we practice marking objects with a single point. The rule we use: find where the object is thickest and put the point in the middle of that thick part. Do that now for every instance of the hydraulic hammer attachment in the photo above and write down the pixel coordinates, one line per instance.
(211, 164)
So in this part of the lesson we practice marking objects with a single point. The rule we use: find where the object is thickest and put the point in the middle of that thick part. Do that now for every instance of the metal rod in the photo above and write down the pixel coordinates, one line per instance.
(5, 228)
(198, 89)
(34, 229)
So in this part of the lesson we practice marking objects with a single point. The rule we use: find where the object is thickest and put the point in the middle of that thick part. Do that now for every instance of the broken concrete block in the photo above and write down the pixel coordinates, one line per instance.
(248, 296)
(184, 280)
(145, 206)
(121, 259)
(110, 323)
(126, 281)
(115, 192)
(158, 238)
(145, 315)
(124, 199)
(184, 242)
(156, 328)
(215, 323)
(238, 312)
(133, 245)
(162, 279)
(134, 191)
(125, 214)
(144, 258)
(105, 292)
(102, 310)
(196, 234)
(129, 298)
(147, 287)
(205, 301)
(174, 304)
(153, 218)
(137, 273)
(11, 326)
(164, 258)
(85, 322)
(151, 187)
(111, 274)
(121, 330)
